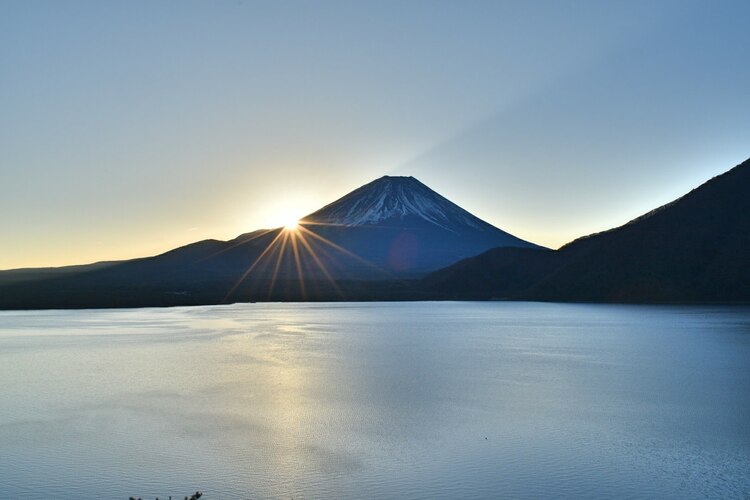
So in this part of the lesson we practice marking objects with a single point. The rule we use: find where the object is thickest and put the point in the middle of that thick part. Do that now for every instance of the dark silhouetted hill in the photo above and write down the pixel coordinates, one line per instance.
(369, 245)
(695, 249)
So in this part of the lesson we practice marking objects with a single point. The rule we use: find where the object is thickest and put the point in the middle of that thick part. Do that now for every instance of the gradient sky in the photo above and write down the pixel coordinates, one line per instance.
(128, 128)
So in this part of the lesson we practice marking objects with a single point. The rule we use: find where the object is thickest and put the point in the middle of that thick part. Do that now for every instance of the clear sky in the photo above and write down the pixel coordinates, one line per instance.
(128, 128)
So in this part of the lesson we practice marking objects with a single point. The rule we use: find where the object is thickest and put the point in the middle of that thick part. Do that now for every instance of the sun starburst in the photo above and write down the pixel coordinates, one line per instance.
(306, 250)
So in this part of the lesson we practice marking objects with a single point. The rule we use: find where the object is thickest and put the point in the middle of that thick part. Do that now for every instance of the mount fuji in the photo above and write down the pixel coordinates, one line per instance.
(389, 200)
(370, 244)
(403, 227)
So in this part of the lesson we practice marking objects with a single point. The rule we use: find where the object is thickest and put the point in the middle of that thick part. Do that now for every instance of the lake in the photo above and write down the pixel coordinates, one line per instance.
(376, 400)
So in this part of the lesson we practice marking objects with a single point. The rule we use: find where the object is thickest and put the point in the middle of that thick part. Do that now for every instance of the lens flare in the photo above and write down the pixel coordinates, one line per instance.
(305, 249)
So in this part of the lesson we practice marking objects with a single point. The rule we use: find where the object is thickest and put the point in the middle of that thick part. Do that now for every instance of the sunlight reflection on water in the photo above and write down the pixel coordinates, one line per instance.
(376, 400)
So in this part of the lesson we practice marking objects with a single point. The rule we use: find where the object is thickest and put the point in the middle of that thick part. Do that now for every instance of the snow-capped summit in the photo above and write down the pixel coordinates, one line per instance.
(390, 201)
(401, 225)
(368, 245)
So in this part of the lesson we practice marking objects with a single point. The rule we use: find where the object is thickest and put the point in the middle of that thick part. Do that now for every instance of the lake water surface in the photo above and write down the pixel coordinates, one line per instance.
(381, 400)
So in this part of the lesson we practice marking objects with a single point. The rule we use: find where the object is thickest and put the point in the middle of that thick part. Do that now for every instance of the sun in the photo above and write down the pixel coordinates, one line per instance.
(283, 213)
(291, 225)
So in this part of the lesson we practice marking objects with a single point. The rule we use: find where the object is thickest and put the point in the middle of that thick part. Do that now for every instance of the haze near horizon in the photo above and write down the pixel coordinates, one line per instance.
(131, 128)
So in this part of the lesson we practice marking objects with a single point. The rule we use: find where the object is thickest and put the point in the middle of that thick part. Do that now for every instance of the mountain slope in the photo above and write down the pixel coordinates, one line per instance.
(364, 246)
(390, 199)
(402, 226)
(695, 249)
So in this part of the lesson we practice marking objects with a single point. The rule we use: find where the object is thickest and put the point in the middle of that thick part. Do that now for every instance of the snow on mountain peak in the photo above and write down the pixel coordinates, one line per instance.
(392, 198)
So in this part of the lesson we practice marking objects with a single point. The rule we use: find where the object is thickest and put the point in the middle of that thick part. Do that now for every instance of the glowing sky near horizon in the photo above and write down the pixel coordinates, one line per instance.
(129, 128)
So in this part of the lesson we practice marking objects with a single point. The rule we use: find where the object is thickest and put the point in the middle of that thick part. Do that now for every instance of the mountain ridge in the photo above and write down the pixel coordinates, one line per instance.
(367, 244)
(693, 249)
(390, 197)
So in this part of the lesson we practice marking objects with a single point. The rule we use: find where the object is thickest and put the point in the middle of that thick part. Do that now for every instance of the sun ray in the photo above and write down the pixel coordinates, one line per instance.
(295, 250)
(343, 250)
(300, 239)
(254, 264)
(243, 242)
(317, 260)
(315, 223)
(279, 258)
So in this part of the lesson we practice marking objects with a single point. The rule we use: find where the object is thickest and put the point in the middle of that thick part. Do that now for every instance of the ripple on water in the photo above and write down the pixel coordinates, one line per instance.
(420, 400)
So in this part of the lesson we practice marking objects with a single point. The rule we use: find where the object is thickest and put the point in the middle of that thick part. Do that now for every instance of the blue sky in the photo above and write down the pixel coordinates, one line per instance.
(129, 128)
